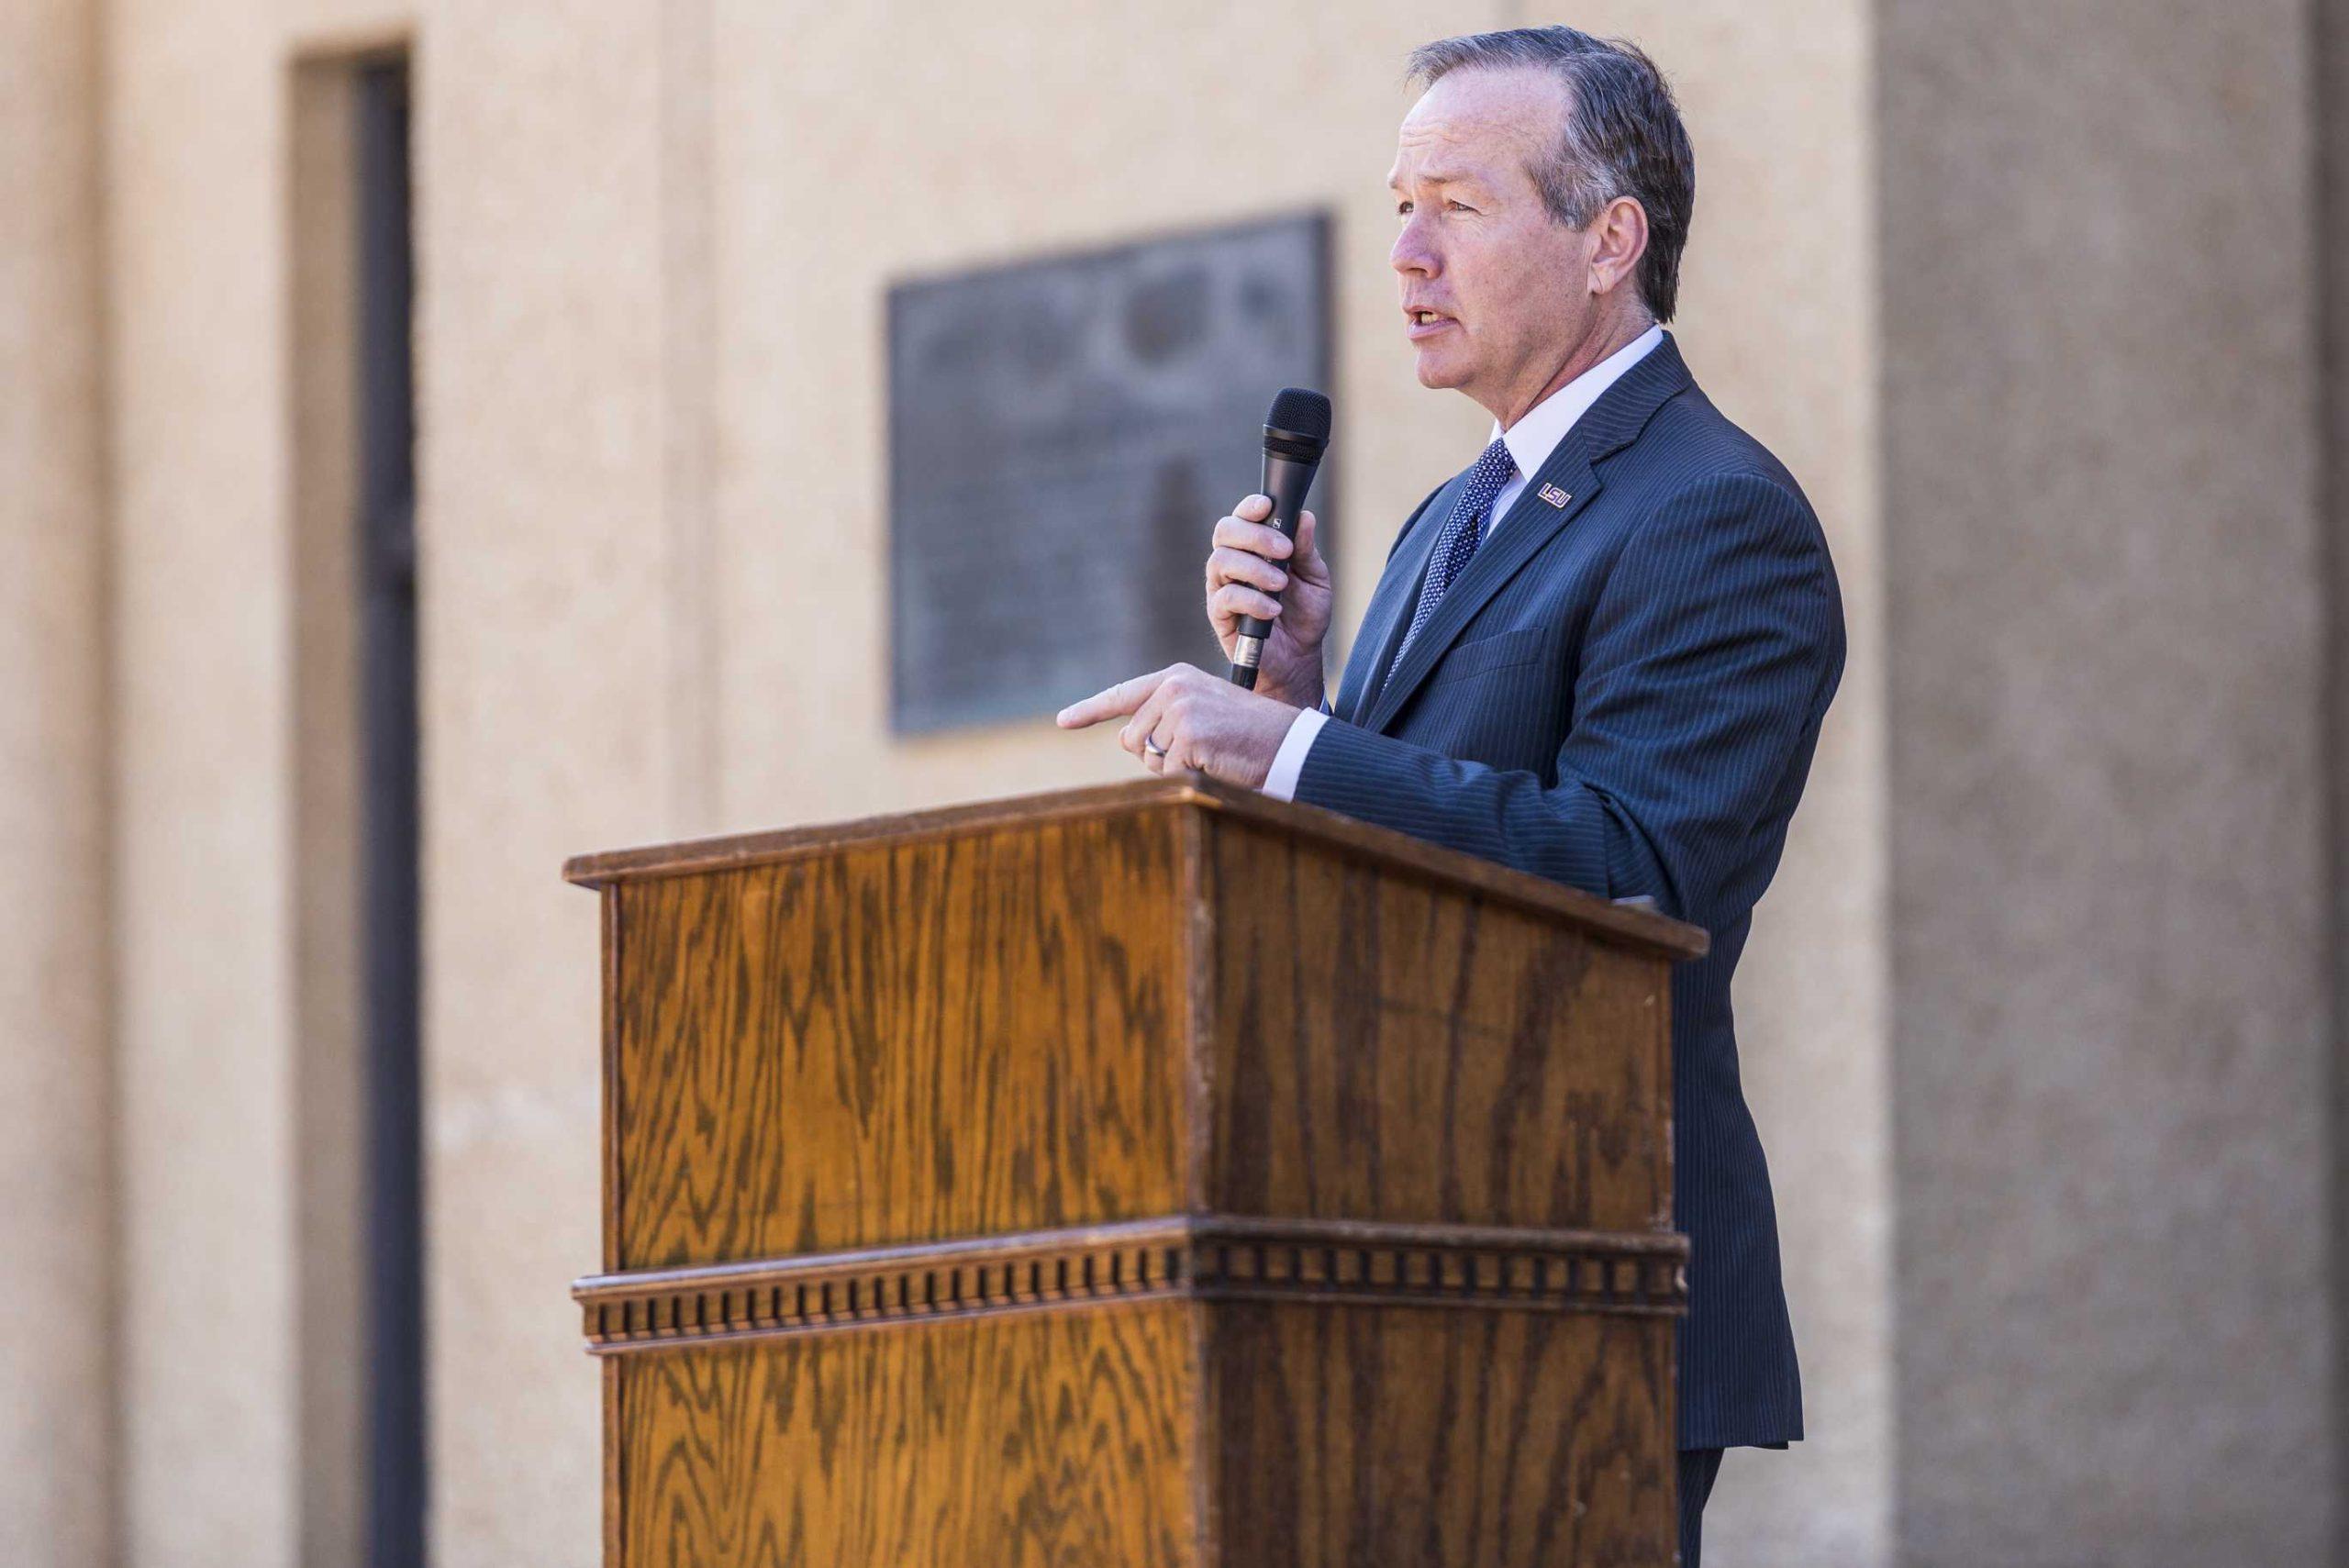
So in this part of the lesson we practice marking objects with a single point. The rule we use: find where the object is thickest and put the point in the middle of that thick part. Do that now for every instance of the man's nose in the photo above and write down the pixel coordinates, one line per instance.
(1413, 251)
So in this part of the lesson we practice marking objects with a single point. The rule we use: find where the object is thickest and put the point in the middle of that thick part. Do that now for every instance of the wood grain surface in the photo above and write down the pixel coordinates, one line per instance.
(899, 1042)
(1356, 1436)
(1383, 1046)
(1051, 1440)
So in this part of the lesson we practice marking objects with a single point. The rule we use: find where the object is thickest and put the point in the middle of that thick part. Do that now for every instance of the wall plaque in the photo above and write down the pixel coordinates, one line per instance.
(1063, 435)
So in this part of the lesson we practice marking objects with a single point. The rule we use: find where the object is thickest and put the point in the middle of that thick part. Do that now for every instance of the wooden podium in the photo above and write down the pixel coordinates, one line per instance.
(1146, 1176)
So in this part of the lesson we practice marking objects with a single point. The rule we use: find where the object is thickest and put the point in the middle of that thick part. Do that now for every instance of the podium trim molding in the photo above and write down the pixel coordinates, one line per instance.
(1206, 1258)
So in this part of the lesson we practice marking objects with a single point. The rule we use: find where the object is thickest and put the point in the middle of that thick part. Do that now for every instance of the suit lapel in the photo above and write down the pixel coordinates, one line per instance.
(1609, 425)
(1390, 603)
(1520, 534)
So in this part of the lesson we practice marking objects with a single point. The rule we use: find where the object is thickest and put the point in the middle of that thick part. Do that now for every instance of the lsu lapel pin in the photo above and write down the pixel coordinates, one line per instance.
(1552, 494)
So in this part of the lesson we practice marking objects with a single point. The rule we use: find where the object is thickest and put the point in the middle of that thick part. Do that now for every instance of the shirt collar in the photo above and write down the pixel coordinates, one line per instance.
(1532, 438)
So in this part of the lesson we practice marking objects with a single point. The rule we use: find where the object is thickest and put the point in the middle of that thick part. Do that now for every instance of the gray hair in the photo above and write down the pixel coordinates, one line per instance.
(1623, 136)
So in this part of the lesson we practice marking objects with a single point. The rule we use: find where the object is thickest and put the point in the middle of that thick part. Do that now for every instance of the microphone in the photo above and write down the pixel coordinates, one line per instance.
(1297, 432)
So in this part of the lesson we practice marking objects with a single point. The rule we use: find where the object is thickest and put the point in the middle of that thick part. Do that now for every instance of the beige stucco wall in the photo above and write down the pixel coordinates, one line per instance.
(2116, 1277)
(545, 554)
(57, 1469)
(193, 172)
(652, 245)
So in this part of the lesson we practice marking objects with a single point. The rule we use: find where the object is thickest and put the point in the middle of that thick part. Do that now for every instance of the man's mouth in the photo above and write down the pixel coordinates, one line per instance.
(1424, 322)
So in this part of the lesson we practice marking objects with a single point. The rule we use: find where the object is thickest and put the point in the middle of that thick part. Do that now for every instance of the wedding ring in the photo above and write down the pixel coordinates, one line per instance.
(1149, 744)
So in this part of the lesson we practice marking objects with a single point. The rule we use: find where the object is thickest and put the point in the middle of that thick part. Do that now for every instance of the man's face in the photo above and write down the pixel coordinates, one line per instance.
(1494, 289)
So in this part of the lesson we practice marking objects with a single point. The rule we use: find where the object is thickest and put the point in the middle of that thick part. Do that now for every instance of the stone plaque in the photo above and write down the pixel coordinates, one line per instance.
(1063, 435)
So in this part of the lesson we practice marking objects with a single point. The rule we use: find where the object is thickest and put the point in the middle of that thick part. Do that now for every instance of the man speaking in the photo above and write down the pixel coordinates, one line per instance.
(1599, 653)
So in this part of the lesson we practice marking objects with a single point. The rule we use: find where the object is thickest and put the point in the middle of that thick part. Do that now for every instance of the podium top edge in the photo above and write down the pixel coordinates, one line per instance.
(691, 857)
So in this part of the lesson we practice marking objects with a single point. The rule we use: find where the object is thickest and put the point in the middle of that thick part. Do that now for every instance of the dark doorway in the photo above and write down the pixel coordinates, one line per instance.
(390, 821)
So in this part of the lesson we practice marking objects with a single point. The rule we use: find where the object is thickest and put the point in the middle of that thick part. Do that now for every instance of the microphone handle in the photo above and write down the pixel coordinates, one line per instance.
(1286, 479)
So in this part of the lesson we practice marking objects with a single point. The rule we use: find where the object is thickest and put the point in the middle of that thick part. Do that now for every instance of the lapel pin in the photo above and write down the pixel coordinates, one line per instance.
(1552, 494)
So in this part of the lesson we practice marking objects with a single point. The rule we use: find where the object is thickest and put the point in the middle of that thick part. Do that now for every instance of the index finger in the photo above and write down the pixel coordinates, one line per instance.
(1256, 538)
(1109, 703)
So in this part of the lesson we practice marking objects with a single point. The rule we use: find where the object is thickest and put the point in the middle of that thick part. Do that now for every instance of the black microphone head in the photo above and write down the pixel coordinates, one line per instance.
(1301, 415)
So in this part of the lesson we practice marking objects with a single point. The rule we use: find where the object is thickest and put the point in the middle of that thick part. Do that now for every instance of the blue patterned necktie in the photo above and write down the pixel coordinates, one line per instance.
(1463, 532)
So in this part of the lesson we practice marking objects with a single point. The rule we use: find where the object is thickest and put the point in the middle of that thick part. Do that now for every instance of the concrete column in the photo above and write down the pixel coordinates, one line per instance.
(2110, 986)
(205, 808)
(57, 1391)
(2332, 78)
(552, 463)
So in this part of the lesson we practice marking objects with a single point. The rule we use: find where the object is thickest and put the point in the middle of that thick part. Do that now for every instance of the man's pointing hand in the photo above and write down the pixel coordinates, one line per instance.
(1182, 716)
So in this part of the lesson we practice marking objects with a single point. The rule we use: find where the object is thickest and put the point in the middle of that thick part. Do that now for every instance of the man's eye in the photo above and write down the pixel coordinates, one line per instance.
(1462, 206)
(1402, 210)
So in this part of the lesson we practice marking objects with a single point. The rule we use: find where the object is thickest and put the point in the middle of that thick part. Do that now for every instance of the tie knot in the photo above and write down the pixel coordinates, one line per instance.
(1487, 480)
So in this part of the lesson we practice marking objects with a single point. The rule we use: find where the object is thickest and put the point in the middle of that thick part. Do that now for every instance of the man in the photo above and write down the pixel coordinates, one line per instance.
(1601, 654)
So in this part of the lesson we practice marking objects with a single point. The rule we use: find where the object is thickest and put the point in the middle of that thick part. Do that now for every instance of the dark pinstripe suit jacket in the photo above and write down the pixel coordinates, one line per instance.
(1623, 694)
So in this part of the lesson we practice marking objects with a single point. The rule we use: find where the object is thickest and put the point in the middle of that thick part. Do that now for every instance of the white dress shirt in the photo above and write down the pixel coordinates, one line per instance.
(1530, 442)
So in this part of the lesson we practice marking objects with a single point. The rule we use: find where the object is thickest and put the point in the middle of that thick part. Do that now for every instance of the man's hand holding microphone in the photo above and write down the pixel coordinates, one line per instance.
(1203, 721)
(1268, 598)
(1250, 564)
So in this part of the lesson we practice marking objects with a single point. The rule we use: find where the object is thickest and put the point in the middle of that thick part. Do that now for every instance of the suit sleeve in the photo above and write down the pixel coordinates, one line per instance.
(1713, 651)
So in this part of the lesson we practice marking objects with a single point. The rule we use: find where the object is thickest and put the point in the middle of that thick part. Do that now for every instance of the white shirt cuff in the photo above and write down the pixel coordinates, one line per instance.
(1289, 761)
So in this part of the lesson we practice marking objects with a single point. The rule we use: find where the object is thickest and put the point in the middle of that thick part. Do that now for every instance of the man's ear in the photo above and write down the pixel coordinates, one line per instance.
(1621, 231)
